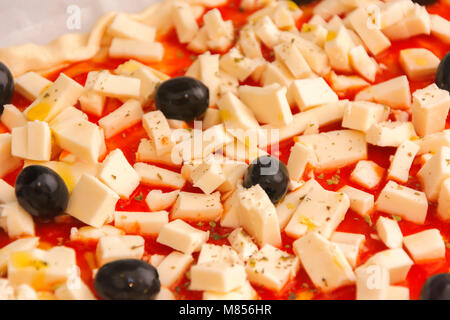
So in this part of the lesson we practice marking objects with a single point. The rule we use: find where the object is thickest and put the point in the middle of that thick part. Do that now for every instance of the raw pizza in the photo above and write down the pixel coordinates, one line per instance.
(212, 149)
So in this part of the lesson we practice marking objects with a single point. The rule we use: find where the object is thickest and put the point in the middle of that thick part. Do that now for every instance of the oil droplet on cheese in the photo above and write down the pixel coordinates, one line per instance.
(308, 223)
(331, 35)
(226, 115)
(25, 259)
(39, 111)
(65, 172)
(304, 295)
(421, 62)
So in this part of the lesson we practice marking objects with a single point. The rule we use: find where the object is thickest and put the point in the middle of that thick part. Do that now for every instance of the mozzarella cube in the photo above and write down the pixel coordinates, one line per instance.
(173, 268)
(217, 276)
(237, 65)
(315, 33)
(143, 223)
(395, 93)
(362, 63)
(87, 234)
(7, 192)
(410, 204)
(157, 128)
(425, 246)
(212, 118)
(129, 114)
(398, 293)
(234, 171)
(112, 248)
(9, 163)
(231, 210)
(245, 292)
(361, 202)
(208, 176)
(74, 289)
(443, 209)
(337, 46)
(200, 41)
(324, 262)
(415, 21)
(182, 237)
(432, 143)
(402, 161)
(157, 200)
(350, 245)
(147, 153)
(372, 283)
(30, 85)
(274, 72)
(184, 21)
(194, 206)
(367, 174)
(32, 142)
(242, 243)
(155, 176)
(314, 55)
(430, 109)
(92, 202)
(267, 32)
(25, 292)
(215, 25)
(301, 155)
(121, 87)
(440, 28)
(361, 115)
(396, 261)
(249, 43)
(390, 134)
(92, 103)
(19, 245)
(12, 117)
(389, 232)
(125, 27)
(136, 49)
(309, 93)
(19, 142)
(434, 172)
(288, 205)
(291, 57)
(16, 221)
(419, 63)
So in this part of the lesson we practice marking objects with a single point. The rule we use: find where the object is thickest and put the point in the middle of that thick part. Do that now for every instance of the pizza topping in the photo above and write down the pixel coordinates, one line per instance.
(6, 86)
(442, 74)
(127, 280)
(436, 287)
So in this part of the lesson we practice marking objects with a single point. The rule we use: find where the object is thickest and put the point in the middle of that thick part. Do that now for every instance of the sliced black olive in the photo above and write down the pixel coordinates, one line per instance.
(6, 86)
(425, 2)
(41, 192)
(436, 287)
(443, 73)
(128, 279)
(182, 98)
(271, 174)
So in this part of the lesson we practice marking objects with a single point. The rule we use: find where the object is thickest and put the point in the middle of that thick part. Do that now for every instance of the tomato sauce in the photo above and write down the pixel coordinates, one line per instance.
(176, 61)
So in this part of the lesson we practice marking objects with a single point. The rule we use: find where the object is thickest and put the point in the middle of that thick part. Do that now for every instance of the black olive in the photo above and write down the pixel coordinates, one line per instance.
(41, 192)
(424, 2)
(302, 2)
(271, 174)
(436, 287)
(128, 279)
(182, 98)
(6, 86)
(443, 73)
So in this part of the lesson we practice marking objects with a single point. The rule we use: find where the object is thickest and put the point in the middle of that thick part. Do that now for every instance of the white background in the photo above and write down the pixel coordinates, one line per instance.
(41, 21)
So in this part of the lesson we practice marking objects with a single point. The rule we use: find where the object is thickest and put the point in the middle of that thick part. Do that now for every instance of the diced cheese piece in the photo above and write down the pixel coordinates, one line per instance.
(361, 115)
(309, 93)
(86, 234)
(234, 171)
(143, 223)
(80, 137)
(274, 72)
(122, 118)
(440, 28)
(182, 237)
(39, 141)
(208, 176)
(361, 202)
(410, 204)
(239, 151)
(150, 80)
(40, 269)
(394, 11)
(395, 93)
(272, 268)
(350, 245)
(249, 43)
(314, 32)
(212, 118)
(398, 293)
(217, 276)
(215, 253)
(157, 200)
(92, 103)
(209, 74)
(425, 246)
(6, 290)
(132, 66)
(258, 216)
(267, 32)
(434, 172)
(9, 163)
(16, 221)
(25, 292)
(74, 289)
(367, 174)
(242, 243)
(372, 37)
(231, 210)
(288, 205)
(338, 46)
(30, 85)
(419, 63)
(336, 149)
(147, 153)
(390, 134)
(24, 244)
(194, 206)
(324, 262)
(157, 128)
(92, 202)
(301, 155)
(342, 84)
(285, 15)
(443, 209)
(293, 60)
(430, 109)
(432, 143)
(124, 27)
(63, 93)
(389, 232)
(136, 49)
(320, 210)
(200, 42)
(155, 176)
(121, 87)
(372, 283)
(402, 161)
(12, 117)
(237, 65)
(19, 142)
(112, 248)
(269, 104)
(173, 268)
(7, 192)
(215, 25)
(364, 65)
(416, 21)
(314, 55)
(184, 21)
(245, 292)
(66, 114)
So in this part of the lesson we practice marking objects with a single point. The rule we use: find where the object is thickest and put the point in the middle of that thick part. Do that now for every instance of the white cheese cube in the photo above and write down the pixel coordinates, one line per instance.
(92, 103)
(440, 28)
(9, 163)
(320, 210)
(434, 172)
(402, 161)
(324, 262)
(350, 245)
(63, 93)
(274, 72)
(267, 32)
(155, 176)
(92, 202)
(195, 206)
(215, 24)
(231, 210)
(288, 205)
(389, 232)
(315, 33)
(30, 85)
(74, 289)
(234, 171)
(335, 149)
(217, 276)
(112, 248)
(184, 21)
(125, 27)
(430, 109)
(242, 243)
(19, 142)
(258, 216)
(199, 43)
(173, 268)
(109, 85)
(16, 221)
(135, 49)
(419, 63)
(87, 234)
(7, 192)
(215, 253)
(361, 115)
(432, 143)
(132, 66)
(301, 156)
(337, 46)
(425, 246)
(390, 134)
(361, 202)
(237, 65)
(395, 93)
(372, 283)
(269, 104)
(212, 118)
(12, 117)
(67, 114)
(143, 223)
(249, 43)
(443, 209)
(245, 292)
(362, 63)
(157, 128)
(293, 60)
(314, 55)
(343, 84)
(129, 114)
(150, 80)
(367, 174)
(24, 244)
(272, 268)
(208, 176)
(25, 292)
(147, 153)
(39, 141)
(157, 200)
(415, 21)
(182, 237)
(309, 93)
(410, 204)
(398, 293)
